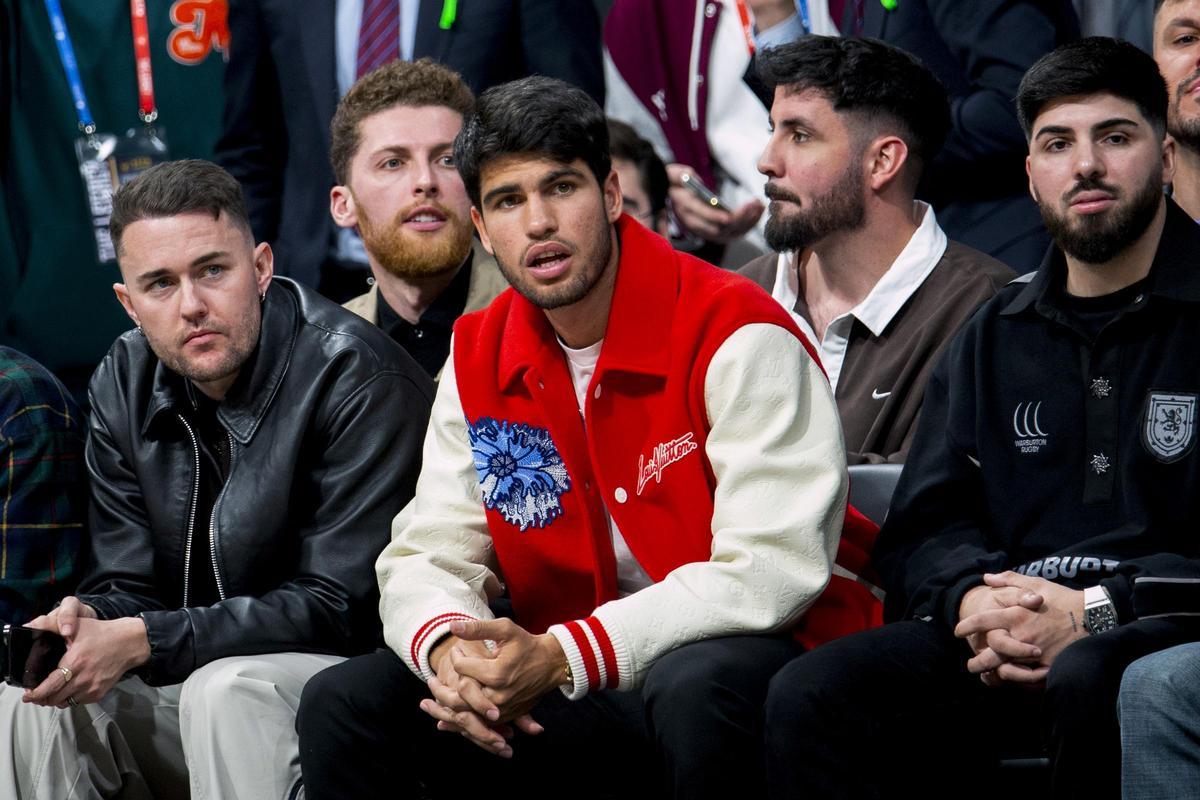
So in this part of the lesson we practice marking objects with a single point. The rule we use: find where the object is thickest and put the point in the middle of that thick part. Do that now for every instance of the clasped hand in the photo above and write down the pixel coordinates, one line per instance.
(99, 653)
(1016, 626)
(485, 693)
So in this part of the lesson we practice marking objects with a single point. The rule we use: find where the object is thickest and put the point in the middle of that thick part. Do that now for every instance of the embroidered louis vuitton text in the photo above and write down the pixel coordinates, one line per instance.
(664, 455)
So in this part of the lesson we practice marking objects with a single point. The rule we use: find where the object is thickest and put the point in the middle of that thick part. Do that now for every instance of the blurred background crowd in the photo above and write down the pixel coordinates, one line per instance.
(253, 85)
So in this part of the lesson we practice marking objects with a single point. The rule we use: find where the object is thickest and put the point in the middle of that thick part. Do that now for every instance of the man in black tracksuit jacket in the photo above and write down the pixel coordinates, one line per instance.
(1047, 452)
(1057, 446)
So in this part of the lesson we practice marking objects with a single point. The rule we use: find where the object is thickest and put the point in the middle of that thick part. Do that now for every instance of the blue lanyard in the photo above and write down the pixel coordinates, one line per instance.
(66, 54)
(802, 8)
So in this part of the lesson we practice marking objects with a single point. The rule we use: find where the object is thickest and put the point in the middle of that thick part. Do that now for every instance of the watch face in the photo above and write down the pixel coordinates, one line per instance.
(1100, 618)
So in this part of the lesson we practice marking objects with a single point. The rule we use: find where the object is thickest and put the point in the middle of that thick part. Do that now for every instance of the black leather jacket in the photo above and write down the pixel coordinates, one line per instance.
(325, 422)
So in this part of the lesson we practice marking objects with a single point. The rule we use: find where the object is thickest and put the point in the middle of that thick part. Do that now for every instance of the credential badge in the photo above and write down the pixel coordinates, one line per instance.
(1170, 426)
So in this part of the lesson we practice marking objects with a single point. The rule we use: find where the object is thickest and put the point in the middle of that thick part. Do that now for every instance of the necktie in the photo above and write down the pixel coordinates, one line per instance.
(837, 10)
(378, 35)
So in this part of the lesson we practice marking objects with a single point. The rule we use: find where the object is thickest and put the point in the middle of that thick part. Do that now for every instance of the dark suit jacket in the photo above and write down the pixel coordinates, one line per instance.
(281, 92)
(979, 50)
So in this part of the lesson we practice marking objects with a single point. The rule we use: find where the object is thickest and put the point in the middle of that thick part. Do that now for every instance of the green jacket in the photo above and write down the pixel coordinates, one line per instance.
(56, 299)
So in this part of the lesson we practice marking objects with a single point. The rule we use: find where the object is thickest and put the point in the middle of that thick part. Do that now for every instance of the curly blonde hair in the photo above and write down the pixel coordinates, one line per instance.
(397, 83)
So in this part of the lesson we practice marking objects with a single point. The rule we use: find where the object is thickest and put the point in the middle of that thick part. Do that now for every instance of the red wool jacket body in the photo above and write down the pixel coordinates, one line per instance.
(708, 435)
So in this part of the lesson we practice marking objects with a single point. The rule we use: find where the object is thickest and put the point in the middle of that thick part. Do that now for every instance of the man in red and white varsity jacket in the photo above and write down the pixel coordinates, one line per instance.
(638, 452)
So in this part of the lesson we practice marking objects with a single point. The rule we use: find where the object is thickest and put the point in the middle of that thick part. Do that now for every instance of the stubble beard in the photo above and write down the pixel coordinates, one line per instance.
(1184, 129)
(241, 341)
(577, 286)
(408, 254)
(1098, 238)
(841, 208)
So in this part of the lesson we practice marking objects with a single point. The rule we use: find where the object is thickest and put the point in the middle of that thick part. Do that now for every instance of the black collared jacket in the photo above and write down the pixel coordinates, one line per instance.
(325, 424)
(1042, 451)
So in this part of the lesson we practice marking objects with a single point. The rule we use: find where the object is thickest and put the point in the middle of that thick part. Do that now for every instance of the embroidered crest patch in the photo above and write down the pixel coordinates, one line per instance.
(1170, 426)
(1027, 425)
(520, 471)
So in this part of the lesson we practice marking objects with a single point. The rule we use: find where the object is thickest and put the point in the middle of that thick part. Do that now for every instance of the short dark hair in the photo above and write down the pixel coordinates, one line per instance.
(1096, 65)
(398, 83)
(624, 142)
(178, 187)
(868, 77)
(537, 116)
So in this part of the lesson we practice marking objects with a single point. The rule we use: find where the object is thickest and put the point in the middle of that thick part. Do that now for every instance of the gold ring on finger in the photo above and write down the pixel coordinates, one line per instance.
(66, 673)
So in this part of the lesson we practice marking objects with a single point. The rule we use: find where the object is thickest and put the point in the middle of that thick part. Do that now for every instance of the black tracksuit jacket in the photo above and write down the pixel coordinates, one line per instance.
(1043, 451)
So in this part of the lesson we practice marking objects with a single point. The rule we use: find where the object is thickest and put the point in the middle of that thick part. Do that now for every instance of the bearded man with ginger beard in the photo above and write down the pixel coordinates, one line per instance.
(392, 152)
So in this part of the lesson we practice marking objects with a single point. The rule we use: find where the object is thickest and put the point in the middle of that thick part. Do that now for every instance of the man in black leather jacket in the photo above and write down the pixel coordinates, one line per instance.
(249, 445)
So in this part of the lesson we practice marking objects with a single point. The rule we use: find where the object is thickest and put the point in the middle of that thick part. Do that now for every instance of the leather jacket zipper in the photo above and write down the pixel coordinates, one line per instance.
(191, 528)
(212, 517)
(212, 524)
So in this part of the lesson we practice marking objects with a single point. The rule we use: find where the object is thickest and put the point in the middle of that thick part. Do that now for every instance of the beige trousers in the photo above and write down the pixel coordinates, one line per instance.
(227, 732)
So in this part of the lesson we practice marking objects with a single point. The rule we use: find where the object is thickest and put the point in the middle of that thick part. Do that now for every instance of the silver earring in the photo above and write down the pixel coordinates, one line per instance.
(139, 329)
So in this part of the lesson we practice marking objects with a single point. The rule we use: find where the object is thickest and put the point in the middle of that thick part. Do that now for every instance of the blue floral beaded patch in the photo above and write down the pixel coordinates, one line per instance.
(520, 471)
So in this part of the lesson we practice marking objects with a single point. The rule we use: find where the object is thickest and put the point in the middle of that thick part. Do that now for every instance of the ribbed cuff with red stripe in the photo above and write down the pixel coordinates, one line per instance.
(591, 654)
(426, 637)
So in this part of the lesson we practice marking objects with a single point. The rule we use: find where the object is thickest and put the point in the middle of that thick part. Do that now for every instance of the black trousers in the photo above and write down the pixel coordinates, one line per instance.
(694, 730)
(893, 712)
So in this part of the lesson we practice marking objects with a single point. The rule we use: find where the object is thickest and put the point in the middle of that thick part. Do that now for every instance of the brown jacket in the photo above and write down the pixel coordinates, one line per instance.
(882, 383)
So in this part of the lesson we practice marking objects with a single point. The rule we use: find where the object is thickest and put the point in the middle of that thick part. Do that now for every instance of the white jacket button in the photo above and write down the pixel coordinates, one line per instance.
(621, 495)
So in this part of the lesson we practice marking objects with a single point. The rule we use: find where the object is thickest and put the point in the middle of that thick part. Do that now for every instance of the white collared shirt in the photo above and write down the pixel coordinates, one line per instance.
(880, 306)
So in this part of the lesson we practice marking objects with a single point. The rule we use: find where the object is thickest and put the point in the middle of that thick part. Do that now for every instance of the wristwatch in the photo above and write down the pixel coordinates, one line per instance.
(1099, 613)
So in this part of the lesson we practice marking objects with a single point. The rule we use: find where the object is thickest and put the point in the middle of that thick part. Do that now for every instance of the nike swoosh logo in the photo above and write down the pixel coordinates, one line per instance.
(878, 395)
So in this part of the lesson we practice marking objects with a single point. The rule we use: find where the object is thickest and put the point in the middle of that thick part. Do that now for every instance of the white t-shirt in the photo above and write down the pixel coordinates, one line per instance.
(630, 575)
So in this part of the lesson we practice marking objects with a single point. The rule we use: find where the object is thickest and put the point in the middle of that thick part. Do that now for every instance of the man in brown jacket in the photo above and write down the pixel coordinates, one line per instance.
(392, 141)
(863, 267)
